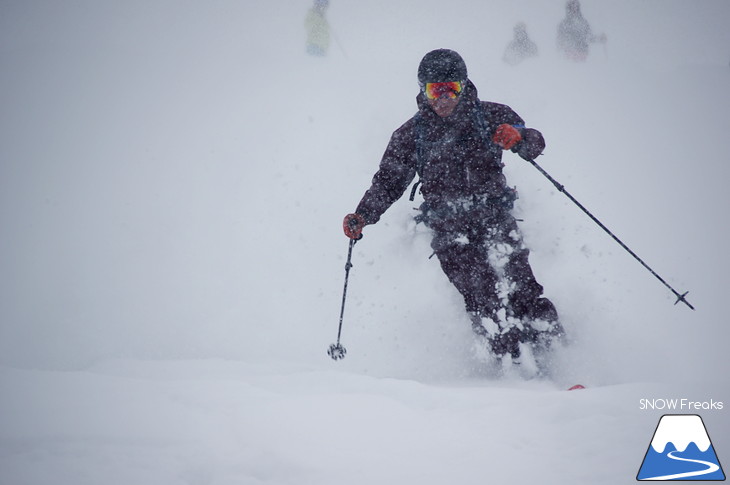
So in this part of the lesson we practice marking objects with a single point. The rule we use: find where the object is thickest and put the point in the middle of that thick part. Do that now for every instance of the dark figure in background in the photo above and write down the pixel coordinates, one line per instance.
(521, 47)
(454, 144)
(318, 29)
(575, 34)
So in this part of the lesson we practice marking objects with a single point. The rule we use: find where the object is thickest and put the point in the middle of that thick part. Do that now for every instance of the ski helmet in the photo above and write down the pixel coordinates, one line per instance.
(441, 65)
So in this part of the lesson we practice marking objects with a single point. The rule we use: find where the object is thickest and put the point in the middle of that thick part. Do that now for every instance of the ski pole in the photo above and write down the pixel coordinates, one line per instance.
(337, 41)
(561, 188)
(337, 351)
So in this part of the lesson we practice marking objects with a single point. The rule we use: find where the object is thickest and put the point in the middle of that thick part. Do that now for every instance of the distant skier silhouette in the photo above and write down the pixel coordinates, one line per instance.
(521, 47)
(575, 34)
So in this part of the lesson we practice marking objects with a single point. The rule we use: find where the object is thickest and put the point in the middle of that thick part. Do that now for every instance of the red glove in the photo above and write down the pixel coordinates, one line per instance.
(353, 225)
(506, 136)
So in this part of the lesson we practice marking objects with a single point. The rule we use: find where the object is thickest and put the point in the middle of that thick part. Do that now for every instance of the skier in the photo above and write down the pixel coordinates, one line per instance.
(318, 29)
(575, 34)
(454, 143)
(521, 47)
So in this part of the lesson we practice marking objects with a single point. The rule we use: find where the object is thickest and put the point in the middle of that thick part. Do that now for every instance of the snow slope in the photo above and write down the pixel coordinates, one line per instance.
(173, 178)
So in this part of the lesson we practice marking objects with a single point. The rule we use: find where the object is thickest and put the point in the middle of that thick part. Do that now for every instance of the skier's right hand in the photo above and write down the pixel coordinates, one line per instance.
(353, 225)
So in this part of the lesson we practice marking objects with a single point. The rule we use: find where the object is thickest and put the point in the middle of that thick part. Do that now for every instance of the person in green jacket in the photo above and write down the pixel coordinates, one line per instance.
(318, 29)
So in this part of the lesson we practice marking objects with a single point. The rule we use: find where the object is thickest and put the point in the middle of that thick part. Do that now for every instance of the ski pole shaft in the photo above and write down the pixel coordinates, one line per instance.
(348, 265)
(337, 351)
(337, 41)
(561, 188)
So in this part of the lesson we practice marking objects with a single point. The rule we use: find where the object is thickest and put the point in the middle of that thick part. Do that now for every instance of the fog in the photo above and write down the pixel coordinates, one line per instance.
(174, 175)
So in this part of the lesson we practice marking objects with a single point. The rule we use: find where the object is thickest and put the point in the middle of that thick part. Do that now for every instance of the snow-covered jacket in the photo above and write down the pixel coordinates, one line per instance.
(457, 161)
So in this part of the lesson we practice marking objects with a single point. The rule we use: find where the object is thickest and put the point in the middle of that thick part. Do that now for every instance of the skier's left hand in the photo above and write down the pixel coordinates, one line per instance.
(506, 136)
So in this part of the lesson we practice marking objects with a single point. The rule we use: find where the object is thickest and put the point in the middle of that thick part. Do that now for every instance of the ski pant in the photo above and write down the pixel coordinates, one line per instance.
(488, 264)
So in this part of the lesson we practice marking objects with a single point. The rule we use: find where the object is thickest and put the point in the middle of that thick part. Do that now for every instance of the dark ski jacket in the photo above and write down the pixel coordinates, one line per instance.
(455, 157)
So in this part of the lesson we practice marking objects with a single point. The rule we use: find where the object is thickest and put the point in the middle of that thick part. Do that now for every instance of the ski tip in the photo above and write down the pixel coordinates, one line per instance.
(576, 387)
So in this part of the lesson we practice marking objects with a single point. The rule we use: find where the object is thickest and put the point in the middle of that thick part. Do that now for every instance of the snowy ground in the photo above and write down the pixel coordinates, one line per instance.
(173, 179)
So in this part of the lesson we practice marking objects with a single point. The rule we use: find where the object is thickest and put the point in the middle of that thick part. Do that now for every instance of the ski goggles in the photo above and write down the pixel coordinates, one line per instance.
(450, 89)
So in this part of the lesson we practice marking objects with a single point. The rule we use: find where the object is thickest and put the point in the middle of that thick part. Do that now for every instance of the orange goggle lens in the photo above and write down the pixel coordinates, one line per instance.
(439, 90)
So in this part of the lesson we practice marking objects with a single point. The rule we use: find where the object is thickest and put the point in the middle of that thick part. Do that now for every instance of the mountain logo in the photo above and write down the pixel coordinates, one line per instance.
(681, 450)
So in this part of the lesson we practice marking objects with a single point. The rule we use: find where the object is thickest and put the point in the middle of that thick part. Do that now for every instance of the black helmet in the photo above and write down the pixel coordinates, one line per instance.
(441, 65)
